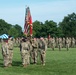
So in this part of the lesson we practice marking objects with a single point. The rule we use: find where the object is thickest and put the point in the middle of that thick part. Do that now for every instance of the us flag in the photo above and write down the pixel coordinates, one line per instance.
(28, 22)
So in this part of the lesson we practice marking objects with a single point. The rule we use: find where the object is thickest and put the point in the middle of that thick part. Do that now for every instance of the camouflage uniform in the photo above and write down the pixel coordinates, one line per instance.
(56, 42)
(46, 40)
(24, 48)
(42, 49)
(5, 53)
(60, 43)
(67, 43)
(52, 43)
(70, 42)
(34, 50)
(73, 42)
(63, 41)
(10, 48)
(17, 42)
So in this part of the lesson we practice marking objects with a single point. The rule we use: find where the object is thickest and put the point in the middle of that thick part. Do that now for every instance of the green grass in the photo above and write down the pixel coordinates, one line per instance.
(57, 63)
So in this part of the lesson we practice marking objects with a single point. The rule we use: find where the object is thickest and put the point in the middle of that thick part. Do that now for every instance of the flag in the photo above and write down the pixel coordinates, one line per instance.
(48, 36)
(28, 22)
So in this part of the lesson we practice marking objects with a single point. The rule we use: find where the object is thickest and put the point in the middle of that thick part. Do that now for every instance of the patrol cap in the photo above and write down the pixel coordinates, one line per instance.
(24, 39)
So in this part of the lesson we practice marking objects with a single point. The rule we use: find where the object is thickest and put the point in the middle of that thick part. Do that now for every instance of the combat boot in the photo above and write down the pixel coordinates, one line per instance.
(9, 65)
(43, 64)
(24, 65)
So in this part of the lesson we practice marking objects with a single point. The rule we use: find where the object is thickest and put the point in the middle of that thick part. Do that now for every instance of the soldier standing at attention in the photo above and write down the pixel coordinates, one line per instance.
(73, 42)
(42, 49)
(24, 49)
(60, 43)
(10, 48)
(63, 42)
(5, 52)
(34, 50)
(48, 45)
(67, 43)
(56, 42)
(52, 43)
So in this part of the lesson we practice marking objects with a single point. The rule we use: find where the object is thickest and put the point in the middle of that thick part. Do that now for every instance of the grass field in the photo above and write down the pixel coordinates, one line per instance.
(57, 63)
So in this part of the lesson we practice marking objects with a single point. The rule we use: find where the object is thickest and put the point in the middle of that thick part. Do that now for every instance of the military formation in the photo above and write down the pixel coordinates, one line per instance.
(32, 48)
(61, 43)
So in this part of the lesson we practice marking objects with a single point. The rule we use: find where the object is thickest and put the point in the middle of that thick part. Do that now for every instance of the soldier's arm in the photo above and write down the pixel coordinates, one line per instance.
(3, 50)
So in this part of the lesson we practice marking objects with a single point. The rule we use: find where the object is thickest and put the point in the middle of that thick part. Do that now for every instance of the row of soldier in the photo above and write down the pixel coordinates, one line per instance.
(57, 42)
(29, 49)
(61, 43)
(72, 41)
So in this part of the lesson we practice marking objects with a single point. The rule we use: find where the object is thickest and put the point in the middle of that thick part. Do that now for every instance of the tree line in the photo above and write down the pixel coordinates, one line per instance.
(66, 28)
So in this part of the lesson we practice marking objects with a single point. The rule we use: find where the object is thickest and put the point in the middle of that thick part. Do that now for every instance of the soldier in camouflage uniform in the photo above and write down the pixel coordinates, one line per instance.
(24, 49)
(34, 50)
(67, 43)
(5, 52)
(52, 43)
(46, 40)
(63, 42)
(73, 42)
(42, 48)
(60, 43)
(70, 42)
(56, 42)
(10, 48)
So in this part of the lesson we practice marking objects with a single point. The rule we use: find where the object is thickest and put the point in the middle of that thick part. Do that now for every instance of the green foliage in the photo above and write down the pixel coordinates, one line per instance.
(49, 27)
(4, 26)
(65, 28)
(19, 30)
(68, 25)
(13, 30)
(37, 28)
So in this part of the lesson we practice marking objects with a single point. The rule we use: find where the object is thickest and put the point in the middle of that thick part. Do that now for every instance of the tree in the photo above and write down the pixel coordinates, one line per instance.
(13, 32)
(51, 28)
(68, 25)
(4, 26)
(19, 30)
(37, 28)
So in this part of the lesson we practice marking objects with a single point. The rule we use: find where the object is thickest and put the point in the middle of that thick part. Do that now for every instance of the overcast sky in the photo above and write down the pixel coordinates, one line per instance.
(13, 11)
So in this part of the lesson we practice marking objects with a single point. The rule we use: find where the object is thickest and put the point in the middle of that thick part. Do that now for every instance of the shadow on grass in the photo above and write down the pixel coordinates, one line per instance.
(16, 63)
(57, 49)
(1, 63)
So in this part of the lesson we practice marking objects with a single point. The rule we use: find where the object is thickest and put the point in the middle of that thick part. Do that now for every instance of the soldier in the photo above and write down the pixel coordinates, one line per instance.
(10, 48)
(53, 43)
(60, 43)
(46, 40)
(5, 52)
(63, 41)
(17, 42)
(67, 43)
(24, 49)
(73, 42)
(48, 45)
(34, 50)
(70, 42)
(42, 49)
(56, 42)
